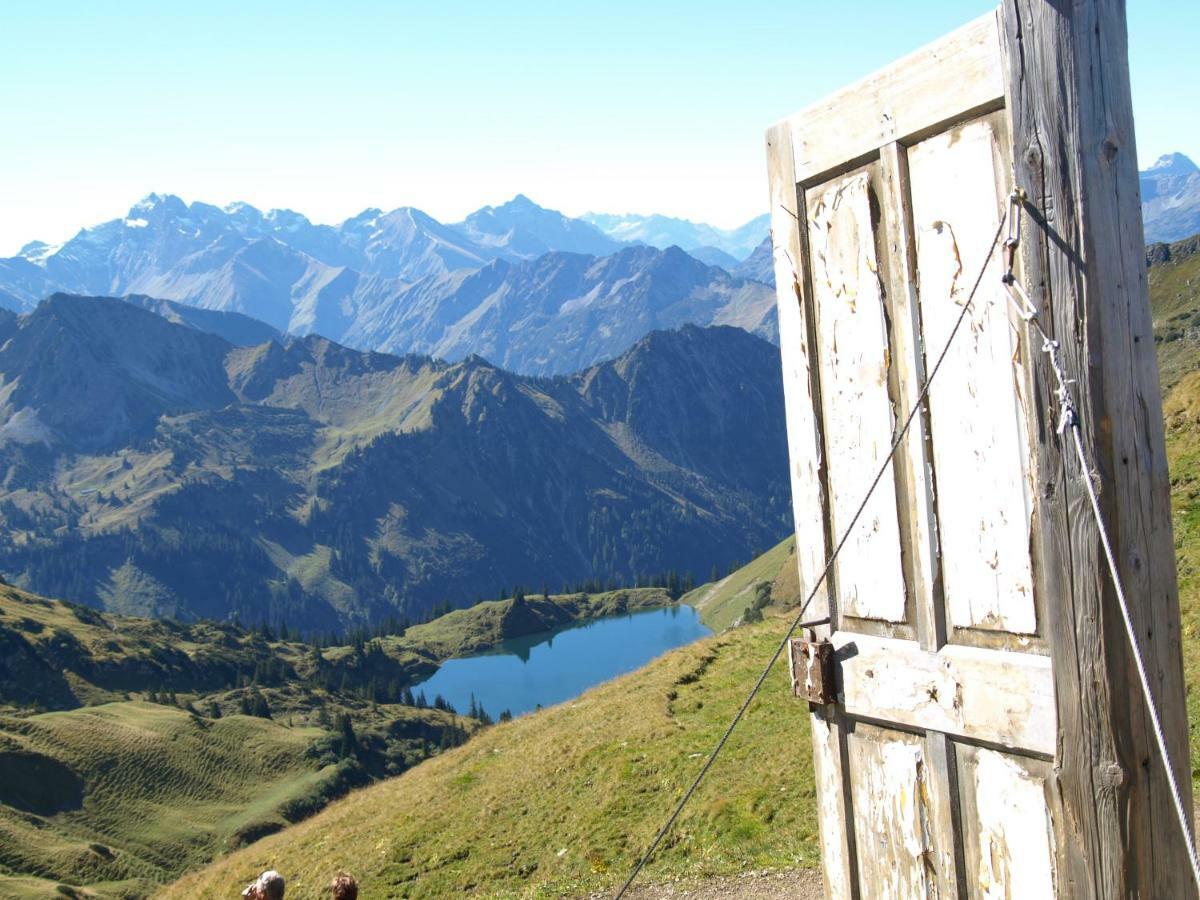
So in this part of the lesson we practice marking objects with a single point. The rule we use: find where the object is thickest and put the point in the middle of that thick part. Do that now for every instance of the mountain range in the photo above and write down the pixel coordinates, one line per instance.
(706, 242)
(1171, 198)
(176, 465)
(535, 291)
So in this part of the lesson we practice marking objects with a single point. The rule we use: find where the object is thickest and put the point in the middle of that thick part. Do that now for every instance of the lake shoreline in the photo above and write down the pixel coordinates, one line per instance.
(541, 669)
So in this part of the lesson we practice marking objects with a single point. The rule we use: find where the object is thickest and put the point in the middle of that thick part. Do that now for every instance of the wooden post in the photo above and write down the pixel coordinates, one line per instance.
(1083, 264)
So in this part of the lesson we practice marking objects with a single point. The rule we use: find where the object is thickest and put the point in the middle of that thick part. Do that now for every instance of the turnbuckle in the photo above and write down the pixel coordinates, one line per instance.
(1013, 239)
(1020, 300)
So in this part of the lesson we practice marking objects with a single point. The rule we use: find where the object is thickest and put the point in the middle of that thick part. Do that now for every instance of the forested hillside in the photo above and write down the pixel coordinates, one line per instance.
(153, 468)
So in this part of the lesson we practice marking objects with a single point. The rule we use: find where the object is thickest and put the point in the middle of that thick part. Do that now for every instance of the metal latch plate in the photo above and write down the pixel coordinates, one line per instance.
(813, 670)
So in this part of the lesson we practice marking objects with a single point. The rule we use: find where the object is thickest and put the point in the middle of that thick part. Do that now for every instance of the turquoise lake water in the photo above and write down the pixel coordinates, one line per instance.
(551, 667)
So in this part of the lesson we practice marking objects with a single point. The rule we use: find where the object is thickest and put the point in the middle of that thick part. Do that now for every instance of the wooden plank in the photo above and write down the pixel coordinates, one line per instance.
(891, 814)
(976, 419)
(914, 465)
(854, 359)
(801, 402)
(834, 817)
(941, 784)
(1072, 120)
(1008, 834)
(800, 394)
(997, 696)
(936, 84)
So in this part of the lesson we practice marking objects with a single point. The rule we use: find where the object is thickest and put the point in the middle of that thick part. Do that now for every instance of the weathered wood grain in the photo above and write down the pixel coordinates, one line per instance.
(996, 548)
(937, 84)
(944, 815)
(1072, 125)
(800, 392)
(915, 477)
(834, 816)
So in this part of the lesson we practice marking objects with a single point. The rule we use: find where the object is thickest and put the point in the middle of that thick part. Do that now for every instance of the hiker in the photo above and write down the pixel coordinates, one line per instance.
(268, 886)
(344, 887)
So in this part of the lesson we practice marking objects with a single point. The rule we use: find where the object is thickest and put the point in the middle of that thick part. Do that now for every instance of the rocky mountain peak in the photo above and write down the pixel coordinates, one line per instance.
(1173, 164)
(159, 204)
(1171, 198)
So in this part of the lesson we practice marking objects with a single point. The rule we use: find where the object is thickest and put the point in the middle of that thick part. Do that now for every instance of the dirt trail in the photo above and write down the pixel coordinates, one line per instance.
(803, 884)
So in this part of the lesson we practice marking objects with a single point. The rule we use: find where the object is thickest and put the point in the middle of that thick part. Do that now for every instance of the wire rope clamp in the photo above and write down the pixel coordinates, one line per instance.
(813, 670)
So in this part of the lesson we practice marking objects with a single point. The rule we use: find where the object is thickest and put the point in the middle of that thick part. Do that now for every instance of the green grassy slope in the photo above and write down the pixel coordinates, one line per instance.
(56, 655)
(112, 795)
(1181, 410)
(1174, 277)
(721, 604)
(560, 802)
(169, 787)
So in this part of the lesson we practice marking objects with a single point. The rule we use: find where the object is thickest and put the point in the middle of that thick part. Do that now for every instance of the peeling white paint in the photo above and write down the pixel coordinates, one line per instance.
(827, 771)
(993, 695)
(1016, 855)
(854, 359)
(977, 424)
(889, 798)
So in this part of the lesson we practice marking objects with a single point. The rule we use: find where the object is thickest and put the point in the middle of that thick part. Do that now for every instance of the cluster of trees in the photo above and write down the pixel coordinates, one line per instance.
(671, 581)
(477, 712)
(762, 599)
(253, 703)
(391, 625)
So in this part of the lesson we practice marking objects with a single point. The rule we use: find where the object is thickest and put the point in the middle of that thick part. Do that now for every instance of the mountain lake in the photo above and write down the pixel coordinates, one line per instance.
(549, 667)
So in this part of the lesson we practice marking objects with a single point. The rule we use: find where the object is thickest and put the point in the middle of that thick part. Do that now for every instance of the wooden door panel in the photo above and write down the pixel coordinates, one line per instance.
(996, 696)
(854, 362)
(977, 421)
(891, 814)
(1008, 835)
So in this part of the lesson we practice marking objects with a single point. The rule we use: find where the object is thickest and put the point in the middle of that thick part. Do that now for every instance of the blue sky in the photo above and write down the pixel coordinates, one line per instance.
(328, 108)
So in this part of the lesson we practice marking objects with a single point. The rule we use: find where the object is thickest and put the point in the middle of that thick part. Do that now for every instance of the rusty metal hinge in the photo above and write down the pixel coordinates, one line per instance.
(813, 670)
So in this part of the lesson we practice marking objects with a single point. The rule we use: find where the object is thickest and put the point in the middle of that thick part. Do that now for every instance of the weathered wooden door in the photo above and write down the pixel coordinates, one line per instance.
(932, 761)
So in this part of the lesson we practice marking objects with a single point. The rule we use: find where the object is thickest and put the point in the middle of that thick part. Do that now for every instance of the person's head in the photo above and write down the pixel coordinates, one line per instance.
(344, 887)
(268, 886)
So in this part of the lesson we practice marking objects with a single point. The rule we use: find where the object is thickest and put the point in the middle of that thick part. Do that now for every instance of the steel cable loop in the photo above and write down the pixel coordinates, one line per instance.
(899, 439)
(1069, 419)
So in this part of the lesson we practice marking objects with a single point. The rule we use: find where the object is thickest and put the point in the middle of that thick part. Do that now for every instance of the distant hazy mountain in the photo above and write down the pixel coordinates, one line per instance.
(236, 258)
(240, 330)
(561, 311)
(156, 468)
(664, 231)
(243, 259)
(1171, 198)
(522, 229)
(759, 265)
(526, 286)
(714, 256)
